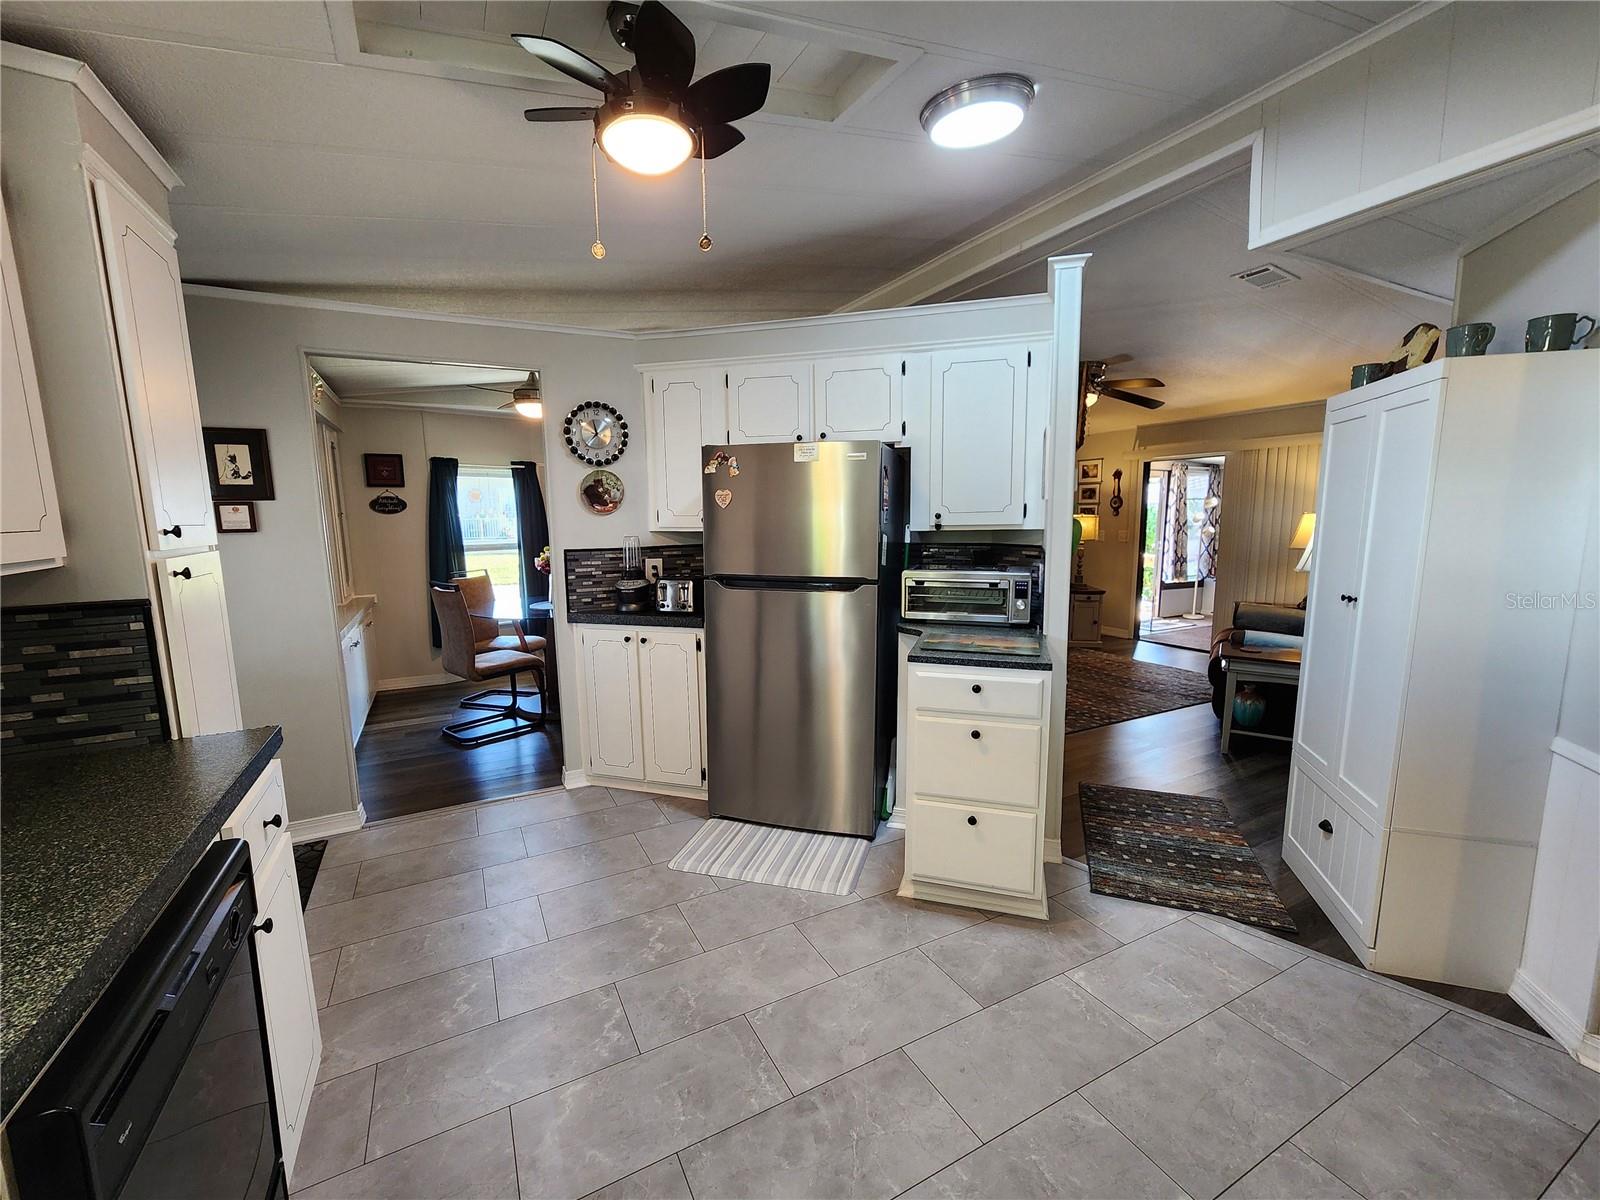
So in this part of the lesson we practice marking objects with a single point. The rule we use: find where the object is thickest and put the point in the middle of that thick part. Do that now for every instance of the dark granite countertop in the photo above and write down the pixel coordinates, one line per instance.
(974, 658)
(666, 620)
(94, 847)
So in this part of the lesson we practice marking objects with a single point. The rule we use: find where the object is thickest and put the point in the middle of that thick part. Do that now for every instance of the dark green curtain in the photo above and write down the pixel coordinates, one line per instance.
(533, 530)
(447, 558)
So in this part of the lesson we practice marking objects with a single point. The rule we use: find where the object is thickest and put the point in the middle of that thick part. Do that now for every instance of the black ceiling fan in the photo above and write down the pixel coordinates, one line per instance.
(659, 85)
(1096, 384)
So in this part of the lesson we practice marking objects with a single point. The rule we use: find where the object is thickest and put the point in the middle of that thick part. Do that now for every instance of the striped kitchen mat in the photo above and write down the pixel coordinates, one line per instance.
(792, 858)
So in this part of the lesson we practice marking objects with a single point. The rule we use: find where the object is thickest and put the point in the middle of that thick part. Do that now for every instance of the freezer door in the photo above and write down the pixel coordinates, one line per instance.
(795, 509)
(791, 677)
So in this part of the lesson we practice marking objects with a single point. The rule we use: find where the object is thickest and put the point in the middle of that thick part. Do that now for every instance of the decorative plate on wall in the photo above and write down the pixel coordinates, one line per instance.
(601, 492)
(595, 433)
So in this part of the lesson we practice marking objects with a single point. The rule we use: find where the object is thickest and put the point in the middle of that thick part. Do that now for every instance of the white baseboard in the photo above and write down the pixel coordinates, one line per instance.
(576, 779)
(313, 829)
(1052, 850)
(1107, 631)
(1566, 1028)
(406, 683)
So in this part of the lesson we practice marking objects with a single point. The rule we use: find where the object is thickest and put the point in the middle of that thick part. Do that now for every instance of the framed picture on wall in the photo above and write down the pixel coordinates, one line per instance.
(240, 468)
(236, 518)
(1087, 510)
(1089, 493)
(1089, 469)
(385, 470)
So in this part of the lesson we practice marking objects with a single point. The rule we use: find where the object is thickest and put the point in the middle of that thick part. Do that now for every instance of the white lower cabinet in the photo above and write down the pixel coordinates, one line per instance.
(283, 964)
(643, 704)
(975, 768)
(360, 677)
(194, 612)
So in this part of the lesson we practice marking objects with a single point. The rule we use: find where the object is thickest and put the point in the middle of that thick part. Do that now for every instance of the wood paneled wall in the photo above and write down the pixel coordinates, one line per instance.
(1264, 491)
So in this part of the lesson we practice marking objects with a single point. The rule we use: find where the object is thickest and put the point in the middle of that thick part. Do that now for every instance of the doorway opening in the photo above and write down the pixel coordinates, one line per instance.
(1180, 523)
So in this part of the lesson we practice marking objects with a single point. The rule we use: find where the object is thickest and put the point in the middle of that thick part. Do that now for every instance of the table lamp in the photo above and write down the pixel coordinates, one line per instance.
(1301, 540)
(1088, 531)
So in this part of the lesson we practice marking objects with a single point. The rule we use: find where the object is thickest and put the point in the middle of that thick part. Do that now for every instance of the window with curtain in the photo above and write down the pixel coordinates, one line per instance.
(487, 503)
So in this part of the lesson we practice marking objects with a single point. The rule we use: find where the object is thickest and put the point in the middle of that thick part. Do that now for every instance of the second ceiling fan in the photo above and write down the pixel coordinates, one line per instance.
(1096, 385)
(654, 116)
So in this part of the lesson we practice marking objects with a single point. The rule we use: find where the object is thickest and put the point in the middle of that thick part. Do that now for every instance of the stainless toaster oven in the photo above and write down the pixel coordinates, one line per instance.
(977, 597)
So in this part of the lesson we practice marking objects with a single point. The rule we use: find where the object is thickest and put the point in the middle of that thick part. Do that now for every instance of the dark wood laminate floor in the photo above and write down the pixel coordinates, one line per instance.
(406, 766)
(1178, 752)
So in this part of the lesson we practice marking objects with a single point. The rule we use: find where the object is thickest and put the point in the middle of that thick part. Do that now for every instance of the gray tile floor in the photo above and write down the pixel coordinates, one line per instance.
(522, 1000)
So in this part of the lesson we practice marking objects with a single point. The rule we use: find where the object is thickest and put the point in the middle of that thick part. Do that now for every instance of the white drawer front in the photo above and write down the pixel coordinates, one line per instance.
(1346, 857)
(262, 816)
(982, 693)
(995, 762)
(972, 846)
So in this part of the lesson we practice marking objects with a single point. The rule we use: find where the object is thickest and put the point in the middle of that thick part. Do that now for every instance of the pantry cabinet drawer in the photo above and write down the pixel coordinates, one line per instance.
(262, 817)
(995, 762)
(981, 693)
(973, 846)
(1342, 850)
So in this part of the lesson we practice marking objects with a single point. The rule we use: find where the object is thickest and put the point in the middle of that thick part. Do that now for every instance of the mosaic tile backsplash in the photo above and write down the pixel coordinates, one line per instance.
(592, 575)
(77, 676)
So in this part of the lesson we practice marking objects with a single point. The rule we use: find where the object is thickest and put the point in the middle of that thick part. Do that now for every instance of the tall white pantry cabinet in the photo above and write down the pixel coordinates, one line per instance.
(1450, 533)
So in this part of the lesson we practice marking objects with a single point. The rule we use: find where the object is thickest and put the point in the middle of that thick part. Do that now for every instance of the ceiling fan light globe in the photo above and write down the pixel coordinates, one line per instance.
(1090, 399)
(646, 143)
(532, 409)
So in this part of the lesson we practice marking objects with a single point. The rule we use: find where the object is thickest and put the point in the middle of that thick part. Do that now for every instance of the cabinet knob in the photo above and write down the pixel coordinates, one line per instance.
(976, 688)
(626, 638)
(643, 639)
(799, 437)
(274, 819)
(1325, 825)
(823, 435)
(1353, 599)
(176, 531)
(976, 735)
(264, 927)
(185, 573)
(972, 820)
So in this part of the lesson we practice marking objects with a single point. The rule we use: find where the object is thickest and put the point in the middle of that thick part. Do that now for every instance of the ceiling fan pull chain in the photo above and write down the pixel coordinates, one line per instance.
(705, 229)
(598, 249)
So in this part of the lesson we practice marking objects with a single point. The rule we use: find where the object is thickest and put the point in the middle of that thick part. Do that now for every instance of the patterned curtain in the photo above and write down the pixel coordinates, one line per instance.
(1213, 521)
(1177, 523)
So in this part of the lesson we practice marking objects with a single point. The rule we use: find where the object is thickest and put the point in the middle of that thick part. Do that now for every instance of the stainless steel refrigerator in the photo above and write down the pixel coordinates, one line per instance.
(804, 548)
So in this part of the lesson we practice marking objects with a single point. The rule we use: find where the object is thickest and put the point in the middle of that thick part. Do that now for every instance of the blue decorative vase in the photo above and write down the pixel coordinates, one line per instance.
(1249, 706)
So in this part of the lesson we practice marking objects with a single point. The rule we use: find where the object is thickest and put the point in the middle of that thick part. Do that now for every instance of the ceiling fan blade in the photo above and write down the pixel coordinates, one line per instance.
(1131, 398)
(568, 61)
(559, 114)
(1144, 382)
(1116, 360)
(663, 47)
(729, 94)
(717, 140)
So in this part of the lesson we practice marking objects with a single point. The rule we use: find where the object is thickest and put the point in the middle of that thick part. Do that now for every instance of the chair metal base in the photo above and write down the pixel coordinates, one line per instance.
(490, 699)
(504, 722)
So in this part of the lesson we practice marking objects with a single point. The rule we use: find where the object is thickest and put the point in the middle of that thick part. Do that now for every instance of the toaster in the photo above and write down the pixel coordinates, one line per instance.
(675, 595)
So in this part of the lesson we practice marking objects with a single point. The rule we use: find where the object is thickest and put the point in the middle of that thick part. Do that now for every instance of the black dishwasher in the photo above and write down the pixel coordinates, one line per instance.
(164, 1091)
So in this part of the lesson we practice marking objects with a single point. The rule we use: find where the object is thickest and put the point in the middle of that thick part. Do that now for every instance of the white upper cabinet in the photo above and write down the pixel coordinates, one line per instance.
(153, 344)
(979, 437)
(684, 411)
(770, 402)
(32, 537)
(860, 397)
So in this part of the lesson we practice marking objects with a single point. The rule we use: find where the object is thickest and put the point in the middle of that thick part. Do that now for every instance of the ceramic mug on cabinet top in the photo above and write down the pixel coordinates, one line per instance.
(1556, 331)
(1464, 341)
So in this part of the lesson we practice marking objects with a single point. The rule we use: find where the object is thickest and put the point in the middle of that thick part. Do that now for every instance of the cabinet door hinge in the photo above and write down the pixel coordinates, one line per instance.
(902, 366)
(725, 380)
(902, 429)
(652, 383)
(727, 435)
(697, 645)
(1030, 358)
(702, 774)
(1024, 510)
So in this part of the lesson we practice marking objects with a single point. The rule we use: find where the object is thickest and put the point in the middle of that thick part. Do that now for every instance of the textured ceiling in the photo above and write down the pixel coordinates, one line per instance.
(312, 169)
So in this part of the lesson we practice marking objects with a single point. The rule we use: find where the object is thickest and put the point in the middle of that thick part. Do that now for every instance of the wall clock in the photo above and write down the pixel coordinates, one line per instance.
(595, 433)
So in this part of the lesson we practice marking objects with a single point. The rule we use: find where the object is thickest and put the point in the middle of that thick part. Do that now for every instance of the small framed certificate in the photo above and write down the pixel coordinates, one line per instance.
(236, 518)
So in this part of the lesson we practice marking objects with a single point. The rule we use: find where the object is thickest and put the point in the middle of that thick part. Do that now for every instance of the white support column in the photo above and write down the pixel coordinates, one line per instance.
(1061, 470)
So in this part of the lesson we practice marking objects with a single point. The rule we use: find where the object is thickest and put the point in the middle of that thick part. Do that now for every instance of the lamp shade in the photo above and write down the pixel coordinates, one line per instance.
(1090, 524)
(1303, 531)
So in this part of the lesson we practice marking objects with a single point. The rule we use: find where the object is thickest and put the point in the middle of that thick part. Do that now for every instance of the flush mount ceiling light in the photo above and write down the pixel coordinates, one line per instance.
(977, 111)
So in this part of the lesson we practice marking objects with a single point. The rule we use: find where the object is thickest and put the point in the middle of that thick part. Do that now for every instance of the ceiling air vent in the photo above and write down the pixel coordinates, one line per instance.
(1265, 276)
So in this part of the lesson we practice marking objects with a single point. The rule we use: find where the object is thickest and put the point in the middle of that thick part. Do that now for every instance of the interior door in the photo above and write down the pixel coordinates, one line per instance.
(859, 397)
(194, 610)
(770, 402)
(611, 701)
(669, 703)
(157, 376)
(980, 430)
(1385, 592)
(686, 413)
(1335, 573)
(294, 1037)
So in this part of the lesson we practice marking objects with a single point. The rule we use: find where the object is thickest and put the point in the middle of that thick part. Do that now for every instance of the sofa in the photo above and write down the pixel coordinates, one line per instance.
(1254, 624)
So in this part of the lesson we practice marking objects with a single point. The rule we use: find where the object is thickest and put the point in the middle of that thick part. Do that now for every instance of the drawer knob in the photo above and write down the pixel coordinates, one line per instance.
(976, 688)
(972, 820)
(274, 819)
(976, 735)
(176, 531)
(264, 927)
(1325, 825)
(185, 573)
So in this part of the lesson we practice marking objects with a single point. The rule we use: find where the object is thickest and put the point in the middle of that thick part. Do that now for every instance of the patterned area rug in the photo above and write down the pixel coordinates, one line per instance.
(792, 858)
(1103, 689)
(1179, 851)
